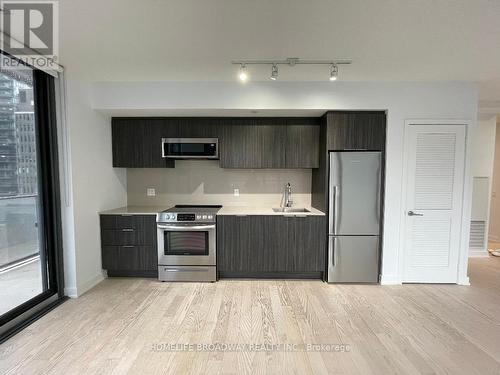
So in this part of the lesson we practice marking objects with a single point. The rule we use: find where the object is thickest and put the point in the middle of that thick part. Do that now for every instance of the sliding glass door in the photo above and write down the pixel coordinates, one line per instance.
(30, 250)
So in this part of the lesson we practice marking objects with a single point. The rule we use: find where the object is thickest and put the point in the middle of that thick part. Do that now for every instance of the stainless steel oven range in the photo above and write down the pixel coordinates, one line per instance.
(186, 243)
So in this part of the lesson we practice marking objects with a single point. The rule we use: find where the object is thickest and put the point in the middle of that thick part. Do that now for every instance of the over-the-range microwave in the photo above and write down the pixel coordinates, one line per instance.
(190, 148)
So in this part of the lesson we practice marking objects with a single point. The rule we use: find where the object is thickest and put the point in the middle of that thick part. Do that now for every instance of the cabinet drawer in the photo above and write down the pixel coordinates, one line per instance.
(126, 236)
(129, 258)
(136, 222)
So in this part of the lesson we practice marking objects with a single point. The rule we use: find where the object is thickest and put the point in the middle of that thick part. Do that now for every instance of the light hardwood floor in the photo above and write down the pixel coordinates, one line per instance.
(410, 329)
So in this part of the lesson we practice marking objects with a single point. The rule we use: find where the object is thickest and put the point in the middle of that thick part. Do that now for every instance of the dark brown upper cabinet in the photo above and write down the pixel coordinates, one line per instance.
(302, 143)
(270, 143)
(251, 143)
(355, 130)
(137, 142)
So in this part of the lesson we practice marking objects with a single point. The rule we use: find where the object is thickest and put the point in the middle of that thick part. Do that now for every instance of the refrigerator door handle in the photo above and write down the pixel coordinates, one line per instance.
(333, 212)
(331, 248)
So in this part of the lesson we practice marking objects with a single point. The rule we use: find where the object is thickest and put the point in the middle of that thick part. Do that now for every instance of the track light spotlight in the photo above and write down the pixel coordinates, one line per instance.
(334, 72)
(274, 72)
(243, 75)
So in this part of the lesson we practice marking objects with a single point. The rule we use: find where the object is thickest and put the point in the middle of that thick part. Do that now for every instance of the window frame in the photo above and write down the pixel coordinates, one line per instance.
(51, 242)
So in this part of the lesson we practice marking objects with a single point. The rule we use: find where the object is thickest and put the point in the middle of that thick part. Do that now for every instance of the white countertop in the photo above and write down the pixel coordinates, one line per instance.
(226, 210)
(134, 210)
(251, 210)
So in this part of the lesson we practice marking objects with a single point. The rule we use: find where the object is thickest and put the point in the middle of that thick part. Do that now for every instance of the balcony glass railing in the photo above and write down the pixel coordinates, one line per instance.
(18, 229)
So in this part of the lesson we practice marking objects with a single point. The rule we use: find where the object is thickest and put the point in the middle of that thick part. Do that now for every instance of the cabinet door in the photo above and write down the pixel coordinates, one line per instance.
(302, 146)
(306, 241)
(253, 145)
(155, 129)
(239, 243)
(199, 127)
(273, 253)
(127, 147)
(136, 142)
(238, 146)
(356, 131)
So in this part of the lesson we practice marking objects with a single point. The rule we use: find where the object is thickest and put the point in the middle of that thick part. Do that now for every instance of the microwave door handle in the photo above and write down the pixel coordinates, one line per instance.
(186, 227)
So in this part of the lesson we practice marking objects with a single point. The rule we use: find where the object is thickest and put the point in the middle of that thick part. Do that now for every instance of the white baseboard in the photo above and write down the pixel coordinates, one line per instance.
(478, 253)
(75, 292)
(89, 284)
(71, 292)
(390, 280)
(463, 280)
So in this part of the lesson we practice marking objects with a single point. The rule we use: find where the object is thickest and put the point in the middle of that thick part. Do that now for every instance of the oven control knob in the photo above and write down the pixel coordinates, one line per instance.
(210, 217)
(198, 217)
(204, 217)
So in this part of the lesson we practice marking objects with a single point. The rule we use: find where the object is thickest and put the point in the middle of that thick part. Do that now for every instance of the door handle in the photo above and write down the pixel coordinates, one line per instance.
(411, 213)
(186, 227)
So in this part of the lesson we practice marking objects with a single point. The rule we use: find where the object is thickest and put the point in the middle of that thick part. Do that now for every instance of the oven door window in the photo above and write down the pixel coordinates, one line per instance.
(186, 243)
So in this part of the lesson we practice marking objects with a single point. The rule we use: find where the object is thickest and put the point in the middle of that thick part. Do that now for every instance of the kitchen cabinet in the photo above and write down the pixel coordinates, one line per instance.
(128, 245)
(355, 130)
(136, 142)
(256, 144)
(270, 143)
(191, 127)
(345, 130)
(306, 240)
(271, 246)
(252, 143)
(301, 144)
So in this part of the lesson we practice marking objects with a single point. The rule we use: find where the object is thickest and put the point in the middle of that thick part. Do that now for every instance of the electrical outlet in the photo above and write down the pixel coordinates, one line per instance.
(236, 192)
(151, 192)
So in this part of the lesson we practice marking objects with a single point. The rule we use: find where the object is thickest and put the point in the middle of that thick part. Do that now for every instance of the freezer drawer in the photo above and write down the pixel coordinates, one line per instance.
(354, 194)
(353, 259)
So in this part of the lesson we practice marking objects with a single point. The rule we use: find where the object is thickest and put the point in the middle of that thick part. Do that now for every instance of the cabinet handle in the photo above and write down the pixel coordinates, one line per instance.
(126, 215)
(128, 246)
(127, 230)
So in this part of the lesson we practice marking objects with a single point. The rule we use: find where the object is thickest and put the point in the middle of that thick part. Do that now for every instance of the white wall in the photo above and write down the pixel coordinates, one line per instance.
(91, 185)
(402, 100)
(494, 227)
(482, 157)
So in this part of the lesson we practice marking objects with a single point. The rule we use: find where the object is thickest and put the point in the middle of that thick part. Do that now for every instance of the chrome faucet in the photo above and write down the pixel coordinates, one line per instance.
(287, 196)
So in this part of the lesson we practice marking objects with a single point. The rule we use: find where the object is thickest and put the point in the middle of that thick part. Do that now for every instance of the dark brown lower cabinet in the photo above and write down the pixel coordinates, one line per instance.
(129, 245)
(129, 258)
(271, 246)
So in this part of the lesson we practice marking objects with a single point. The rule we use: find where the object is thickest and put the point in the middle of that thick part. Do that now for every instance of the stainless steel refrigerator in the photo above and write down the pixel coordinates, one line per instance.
(354, 216)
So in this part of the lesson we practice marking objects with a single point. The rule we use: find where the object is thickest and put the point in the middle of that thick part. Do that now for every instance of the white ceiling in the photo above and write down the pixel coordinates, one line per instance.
(389, 40)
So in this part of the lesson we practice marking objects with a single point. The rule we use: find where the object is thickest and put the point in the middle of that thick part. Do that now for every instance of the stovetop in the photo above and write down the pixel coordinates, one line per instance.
(189, 213)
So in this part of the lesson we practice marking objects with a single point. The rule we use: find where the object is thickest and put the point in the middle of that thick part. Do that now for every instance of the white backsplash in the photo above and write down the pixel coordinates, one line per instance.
(204, 182)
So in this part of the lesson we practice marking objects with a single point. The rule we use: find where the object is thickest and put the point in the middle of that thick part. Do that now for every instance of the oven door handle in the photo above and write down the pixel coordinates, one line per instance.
(186, 227)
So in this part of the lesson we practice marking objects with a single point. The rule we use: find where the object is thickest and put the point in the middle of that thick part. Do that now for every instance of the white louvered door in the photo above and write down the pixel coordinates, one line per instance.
(434, 191)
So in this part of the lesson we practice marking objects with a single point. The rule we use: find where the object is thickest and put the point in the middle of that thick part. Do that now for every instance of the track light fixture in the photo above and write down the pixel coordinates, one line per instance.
(274, 72)
(243, 75)
(290, 61)
(334, 72)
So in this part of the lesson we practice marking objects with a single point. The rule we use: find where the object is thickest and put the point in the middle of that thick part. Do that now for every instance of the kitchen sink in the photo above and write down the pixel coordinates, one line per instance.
(289, 209)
